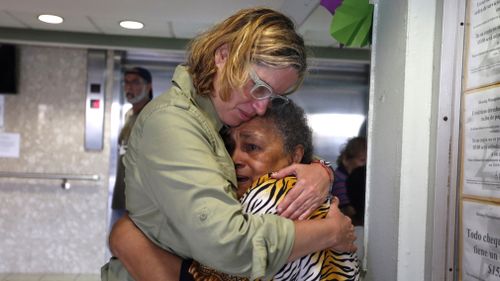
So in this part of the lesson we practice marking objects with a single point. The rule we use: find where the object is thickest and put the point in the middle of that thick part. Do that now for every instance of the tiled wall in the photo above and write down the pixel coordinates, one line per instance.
(44, 228)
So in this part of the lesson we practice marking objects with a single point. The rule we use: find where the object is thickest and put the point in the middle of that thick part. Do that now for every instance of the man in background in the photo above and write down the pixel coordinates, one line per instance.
(138, 90)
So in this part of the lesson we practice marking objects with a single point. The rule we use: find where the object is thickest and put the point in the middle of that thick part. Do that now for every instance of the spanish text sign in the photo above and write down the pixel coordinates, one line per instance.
(481, 161)
(480, 241)
(483, 53)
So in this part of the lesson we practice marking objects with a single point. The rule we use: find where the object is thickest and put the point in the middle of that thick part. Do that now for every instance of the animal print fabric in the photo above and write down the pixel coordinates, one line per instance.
(263, 198)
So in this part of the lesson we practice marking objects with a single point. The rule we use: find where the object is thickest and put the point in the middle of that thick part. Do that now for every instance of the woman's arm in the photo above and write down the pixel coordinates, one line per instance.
(146, 261)
(335, 231)
(142, 258)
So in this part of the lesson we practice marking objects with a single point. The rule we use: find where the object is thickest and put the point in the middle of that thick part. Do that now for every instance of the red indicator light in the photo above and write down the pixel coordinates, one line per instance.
(95, 103)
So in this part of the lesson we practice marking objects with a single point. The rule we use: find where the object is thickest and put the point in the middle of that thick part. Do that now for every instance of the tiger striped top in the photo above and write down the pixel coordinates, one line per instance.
(263, 198)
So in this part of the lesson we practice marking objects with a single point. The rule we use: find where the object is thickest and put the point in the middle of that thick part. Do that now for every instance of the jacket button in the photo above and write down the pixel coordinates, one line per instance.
(203, 217)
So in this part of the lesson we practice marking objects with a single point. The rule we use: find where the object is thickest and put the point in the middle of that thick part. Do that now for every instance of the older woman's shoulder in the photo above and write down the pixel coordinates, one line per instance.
(266, 193)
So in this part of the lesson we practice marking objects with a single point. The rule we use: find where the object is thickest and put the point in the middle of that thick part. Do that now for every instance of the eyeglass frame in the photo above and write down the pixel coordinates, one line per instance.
(260, 83)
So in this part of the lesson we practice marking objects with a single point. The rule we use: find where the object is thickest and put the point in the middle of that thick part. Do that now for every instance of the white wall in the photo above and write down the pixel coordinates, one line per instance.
(402, 134)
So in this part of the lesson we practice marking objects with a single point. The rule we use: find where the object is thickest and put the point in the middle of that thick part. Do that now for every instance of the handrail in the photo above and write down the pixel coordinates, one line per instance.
(49, 176)
(64, 177)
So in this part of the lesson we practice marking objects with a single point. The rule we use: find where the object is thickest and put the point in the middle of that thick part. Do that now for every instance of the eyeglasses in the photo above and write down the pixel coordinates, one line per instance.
(261, 90)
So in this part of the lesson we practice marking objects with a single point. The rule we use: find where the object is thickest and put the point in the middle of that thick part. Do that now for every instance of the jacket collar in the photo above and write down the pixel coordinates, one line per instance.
(182, 79)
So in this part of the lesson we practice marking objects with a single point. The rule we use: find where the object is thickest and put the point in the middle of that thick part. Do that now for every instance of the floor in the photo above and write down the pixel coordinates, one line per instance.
(48, 277)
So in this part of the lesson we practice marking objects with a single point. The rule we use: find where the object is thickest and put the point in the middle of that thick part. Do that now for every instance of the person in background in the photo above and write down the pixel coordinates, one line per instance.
(181, 181)
(352, 156)
(138, 90)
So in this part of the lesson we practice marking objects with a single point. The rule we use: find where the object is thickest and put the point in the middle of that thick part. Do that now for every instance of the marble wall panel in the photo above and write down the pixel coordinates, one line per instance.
(44, 228)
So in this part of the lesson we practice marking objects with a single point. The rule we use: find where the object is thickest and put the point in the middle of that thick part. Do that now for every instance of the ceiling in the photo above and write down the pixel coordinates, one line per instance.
(162, 18)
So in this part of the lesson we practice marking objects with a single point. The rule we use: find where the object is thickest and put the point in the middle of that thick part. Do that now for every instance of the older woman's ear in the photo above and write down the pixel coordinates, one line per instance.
(298, 153)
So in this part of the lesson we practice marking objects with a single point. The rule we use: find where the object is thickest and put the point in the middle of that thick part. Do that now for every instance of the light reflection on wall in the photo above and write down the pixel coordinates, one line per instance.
(336, 124)
(332, 130)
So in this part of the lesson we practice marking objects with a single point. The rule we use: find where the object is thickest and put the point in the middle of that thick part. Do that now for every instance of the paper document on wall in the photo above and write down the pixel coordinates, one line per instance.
(9, 145)
(483, 42)
(480, 240)
(482, 144)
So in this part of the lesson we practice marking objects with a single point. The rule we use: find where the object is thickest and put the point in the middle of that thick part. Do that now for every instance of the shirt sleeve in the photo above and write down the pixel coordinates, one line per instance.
(176, 164)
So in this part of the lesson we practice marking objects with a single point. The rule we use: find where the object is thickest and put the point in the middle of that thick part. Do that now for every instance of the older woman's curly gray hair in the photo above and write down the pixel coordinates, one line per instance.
(291, 122)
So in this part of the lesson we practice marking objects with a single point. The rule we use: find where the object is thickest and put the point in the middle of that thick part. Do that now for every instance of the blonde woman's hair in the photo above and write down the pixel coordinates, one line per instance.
(256, 35)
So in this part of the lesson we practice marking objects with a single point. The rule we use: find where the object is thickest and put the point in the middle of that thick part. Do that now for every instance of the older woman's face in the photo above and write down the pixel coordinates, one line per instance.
(257, 149)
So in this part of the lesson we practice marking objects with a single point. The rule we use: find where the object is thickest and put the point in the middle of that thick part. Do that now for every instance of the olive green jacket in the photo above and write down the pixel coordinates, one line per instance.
(181, 189)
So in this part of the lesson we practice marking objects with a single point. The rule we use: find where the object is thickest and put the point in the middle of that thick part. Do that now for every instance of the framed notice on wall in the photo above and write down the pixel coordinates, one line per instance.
(480, 241)
(482, 60)
(481, 143)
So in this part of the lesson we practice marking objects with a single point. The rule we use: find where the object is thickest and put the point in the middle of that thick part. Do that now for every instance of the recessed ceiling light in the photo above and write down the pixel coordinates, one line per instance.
(52, 19)
(130, 24)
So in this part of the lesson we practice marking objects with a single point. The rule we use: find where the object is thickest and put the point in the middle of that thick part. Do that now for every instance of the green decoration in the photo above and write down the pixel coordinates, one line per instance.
(352, 23)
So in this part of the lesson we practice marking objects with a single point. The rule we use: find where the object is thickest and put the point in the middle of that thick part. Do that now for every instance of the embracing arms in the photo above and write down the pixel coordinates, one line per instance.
(178, 193)
(147, 262)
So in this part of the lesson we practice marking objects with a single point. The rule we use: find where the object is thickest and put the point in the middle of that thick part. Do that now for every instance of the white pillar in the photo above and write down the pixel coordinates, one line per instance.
(402, 134)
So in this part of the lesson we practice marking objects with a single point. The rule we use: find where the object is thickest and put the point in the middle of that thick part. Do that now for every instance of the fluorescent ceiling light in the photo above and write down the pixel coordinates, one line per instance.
(52, 19)
(130, 24)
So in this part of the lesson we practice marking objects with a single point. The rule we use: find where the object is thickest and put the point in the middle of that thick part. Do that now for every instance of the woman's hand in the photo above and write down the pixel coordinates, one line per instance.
(333, 232)
(310, 191)
(344, 230)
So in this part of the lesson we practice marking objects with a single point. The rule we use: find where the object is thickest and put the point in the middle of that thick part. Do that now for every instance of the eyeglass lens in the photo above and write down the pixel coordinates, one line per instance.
(261, 92)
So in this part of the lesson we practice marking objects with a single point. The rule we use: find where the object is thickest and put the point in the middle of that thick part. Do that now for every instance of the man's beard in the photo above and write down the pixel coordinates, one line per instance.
(138, 98)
